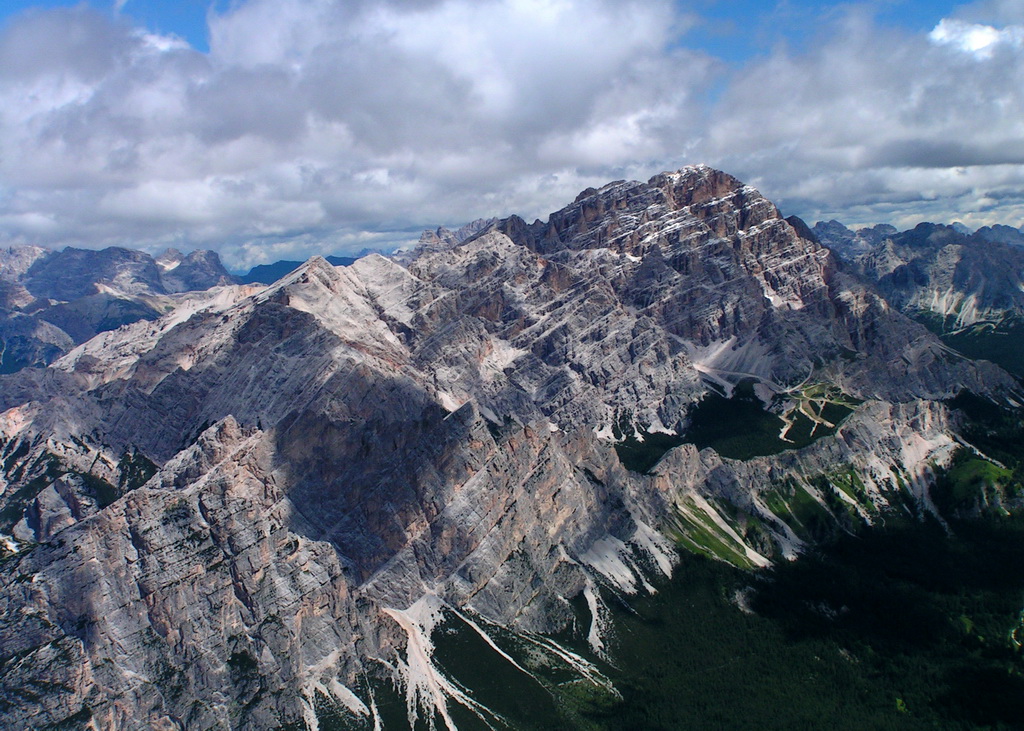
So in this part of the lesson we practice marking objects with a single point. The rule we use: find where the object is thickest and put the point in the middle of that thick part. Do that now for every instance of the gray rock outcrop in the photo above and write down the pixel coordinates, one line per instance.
(266, 495)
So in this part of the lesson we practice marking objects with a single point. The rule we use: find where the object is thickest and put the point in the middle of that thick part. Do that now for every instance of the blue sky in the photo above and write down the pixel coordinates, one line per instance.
(733, 30)
(184, 18)
(273, 129)
(736, 30)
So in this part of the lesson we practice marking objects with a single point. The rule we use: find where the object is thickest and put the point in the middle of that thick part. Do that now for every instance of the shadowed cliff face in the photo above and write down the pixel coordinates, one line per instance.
(271, 493)
(74, 273)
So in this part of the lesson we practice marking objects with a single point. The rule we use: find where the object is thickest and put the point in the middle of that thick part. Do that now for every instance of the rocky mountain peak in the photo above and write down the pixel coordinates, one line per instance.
(266, 496)
(73, 273)
(53, 300)
(199, 269)
(169, 258)
(313, 280)
(927, 234)
(801, 229)
(442, 238)
(630, 216)
(966, 286)
(16, 260)
(1000, 233)
(847, 244)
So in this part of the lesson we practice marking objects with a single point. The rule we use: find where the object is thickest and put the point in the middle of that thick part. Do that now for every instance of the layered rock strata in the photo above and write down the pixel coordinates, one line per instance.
(267, 496)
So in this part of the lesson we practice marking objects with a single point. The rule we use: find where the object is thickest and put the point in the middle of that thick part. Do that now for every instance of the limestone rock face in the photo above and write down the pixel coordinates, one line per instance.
(183, 590)
(936, 269)
(711, 263)
(29, 341)
(442, 237)
(213, 519)
(72, 273)
(15, 261)
(197, 270)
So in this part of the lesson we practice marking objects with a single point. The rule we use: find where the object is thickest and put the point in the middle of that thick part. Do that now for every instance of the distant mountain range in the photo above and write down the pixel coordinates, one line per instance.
(51, 301)
(967, 287)
(270, 273)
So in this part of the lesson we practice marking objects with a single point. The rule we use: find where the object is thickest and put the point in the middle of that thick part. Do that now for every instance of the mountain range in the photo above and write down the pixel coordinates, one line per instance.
(51, 301)
(966, 287)
(276, 506)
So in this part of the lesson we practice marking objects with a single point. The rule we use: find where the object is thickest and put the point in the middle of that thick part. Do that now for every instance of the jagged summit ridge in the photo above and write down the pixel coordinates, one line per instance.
(624, 215)
(300, 479)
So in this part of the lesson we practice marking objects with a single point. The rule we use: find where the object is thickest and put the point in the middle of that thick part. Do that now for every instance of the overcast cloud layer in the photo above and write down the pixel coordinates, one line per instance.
(320, 126)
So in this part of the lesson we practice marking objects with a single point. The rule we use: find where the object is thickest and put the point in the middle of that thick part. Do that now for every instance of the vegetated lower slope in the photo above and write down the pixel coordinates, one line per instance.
(270, 508)
(915, 622)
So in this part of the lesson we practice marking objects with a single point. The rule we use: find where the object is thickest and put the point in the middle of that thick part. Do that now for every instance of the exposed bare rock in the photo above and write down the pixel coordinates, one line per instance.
(1001, 234)
(847, 244)
(197, 270)
(269, 495)
(72, 273)
(26, 341)
(443, 238)
(15, 261)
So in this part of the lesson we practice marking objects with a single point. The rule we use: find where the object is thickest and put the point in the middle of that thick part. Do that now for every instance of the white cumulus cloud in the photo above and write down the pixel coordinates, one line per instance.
(327, 126)
(975, 38)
